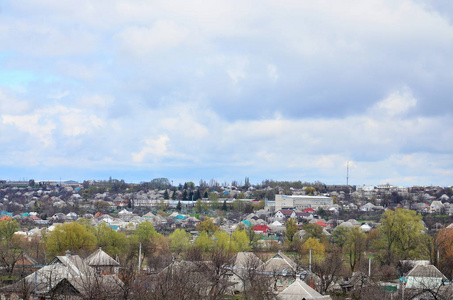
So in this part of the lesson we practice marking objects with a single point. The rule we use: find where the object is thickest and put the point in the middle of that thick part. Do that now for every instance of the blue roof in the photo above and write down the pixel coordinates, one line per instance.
(246, 222)
(180, 217)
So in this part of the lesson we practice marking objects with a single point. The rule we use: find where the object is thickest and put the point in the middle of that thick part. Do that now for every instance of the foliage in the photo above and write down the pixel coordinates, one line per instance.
(208, 226)
(203, 242)
(339, 235)
(8, 228)
(354, 246)
(198, 206)
(179, 240)
(291, 230)
(313, 231)
(222, 241)
(241, 240)
(69, 236)
(111, 241)
(317, 248)
(400, 235)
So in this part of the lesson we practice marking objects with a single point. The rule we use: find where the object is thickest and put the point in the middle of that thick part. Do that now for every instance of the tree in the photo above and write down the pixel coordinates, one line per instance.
(198, 206)
(208, 226)
(8, 228)
(339, 235)
(317, 248)
(179, 240)
(147, 236)
(31, 182)
(313, 231)
(203, 242)
(222, 241)
(400, 235)
(166, 196)
(178, 207)
(329, 270)
(112, 242)
(224, 206)
(291, 230)
(69, 236)
(173, 196)
(214, 200)
(241, 240)
(355, 246)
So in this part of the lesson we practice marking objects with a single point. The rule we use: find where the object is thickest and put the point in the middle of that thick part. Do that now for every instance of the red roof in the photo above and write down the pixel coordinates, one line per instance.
(309, 210)
(287, 212)
(321, 223)
(263, 228)
(5, 219)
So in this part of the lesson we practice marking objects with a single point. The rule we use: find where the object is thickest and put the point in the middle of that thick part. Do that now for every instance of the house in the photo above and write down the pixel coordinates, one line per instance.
(102, 262)
(424, 277)
(67, 276)
(300, 290)
(261, 228)
(282, 268)
(240, 265)
(436, 207)
(285, 213)
(309, 210)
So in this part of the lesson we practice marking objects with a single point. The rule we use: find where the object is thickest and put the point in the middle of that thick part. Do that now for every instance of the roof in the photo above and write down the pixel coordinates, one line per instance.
(99, 259)
(321, 223)
(300, 290)
(280, 264)
(287, 212)
(263, 228)
(246, 260)
(425, 271)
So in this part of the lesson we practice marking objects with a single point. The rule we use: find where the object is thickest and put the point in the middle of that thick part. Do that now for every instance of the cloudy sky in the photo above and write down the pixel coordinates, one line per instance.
(190, 90)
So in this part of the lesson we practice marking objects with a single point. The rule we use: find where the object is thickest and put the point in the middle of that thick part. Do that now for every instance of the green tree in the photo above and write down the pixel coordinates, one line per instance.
(208, 226)
(313, 231)
(339, 235)
(111, 241)
(400, 235)
(224, 206)
(8, 228)
(241, 240)
(198, 206)
(354, 246)
(203, 242)
(178, 207)
(166, 196)
(291, 230)
(147, 236)
(214, 200)
(179, 240)
(173, 196)
(69, 236)
(31, 182)
(222, 241)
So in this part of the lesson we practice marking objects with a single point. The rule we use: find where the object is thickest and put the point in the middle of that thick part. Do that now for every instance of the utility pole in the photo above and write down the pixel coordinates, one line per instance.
(139, 258)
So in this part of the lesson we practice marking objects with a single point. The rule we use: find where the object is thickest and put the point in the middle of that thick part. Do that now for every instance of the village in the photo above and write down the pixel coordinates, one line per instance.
(274, 240)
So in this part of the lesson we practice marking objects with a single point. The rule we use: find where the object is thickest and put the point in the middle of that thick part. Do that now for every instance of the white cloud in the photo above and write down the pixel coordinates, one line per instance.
(156, 148)
(141, 41)
(397, 103)
(272, 72)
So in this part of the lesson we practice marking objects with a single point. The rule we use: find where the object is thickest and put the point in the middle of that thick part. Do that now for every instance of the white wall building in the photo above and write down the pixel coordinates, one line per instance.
(301, 202)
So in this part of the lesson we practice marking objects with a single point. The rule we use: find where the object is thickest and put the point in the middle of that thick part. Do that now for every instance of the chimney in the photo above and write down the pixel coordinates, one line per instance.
(68, 253)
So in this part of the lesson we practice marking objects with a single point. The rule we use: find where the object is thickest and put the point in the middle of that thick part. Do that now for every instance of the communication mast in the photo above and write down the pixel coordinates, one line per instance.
(347, 173)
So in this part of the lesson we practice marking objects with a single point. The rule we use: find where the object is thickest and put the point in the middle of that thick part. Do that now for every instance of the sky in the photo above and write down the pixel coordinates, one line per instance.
(190, 90)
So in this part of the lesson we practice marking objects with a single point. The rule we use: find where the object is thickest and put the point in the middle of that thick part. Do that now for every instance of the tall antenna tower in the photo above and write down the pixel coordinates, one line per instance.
(347, 173)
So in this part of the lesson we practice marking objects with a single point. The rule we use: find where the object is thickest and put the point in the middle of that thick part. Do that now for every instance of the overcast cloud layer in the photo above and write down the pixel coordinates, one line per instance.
(284, 90)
